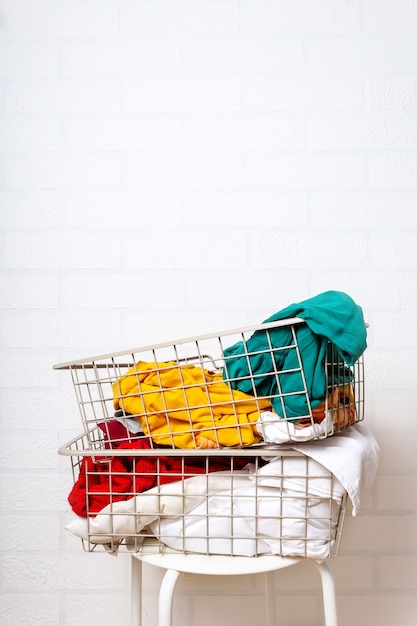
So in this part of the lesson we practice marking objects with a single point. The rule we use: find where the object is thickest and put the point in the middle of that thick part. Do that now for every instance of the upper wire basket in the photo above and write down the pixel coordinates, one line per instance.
(272, 383)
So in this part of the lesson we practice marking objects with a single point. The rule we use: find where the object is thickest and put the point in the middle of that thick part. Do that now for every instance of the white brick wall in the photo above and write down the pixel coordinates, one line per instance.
(171, 167)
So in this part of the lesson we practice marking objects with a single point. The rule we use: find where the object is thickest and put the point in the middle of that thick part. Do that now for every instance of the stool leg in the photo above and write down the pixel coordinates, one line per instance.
(270, 599)
(136, 592)
(166, 597)
(329, 593)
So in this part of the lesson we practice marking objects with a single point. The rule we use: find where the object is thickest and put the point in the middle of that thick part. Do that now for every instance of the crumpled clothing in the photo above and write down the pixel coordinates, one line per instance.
(176, 404)
(104, 480)
(331, 316)
(115, 433)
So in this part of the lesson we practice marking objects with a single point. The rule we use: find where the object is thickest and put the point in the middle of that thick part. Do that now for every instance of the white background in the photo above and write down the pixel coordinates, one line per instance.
(176, 167)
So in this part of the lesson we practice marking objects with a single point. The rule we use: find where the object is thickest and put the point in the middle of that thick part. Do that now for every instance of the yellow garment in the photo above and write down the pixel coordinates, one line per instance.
(175, 404)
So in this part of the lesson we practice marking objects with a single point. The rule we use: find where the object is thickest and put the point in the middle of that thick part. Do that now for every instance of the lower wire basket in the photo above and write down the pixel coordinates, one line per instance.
(237, 502)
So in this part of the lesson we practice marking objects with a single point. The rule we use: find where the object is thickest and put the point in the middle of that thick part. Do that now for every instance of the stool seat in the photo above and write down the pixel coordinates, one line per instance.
(177, 563)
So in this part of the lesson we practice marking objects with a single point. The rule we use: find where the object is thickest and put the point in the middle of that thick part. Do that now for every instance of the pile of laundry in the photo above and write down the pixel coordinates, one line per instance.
(281, 503)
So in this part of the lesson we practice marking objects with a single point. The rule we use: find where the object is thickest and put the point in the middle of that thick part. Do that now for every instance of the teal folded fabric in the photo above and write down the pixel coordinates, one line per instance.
(252, 366)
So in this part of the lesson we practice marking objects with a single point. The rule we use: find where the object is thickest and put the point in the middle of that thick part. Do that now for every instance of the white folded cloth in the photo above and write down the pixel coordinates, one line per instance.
(274, 429)
(352, 455)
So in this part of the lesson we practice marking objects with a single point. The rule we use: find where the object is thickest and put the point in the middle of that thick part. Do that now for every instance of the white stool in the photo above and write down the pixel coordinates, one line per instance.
(176, 564)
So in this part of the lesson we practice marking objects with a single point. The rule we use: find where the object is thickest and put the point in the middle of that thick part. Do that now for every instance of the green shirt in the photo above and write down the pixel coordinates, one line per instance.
(254, 368)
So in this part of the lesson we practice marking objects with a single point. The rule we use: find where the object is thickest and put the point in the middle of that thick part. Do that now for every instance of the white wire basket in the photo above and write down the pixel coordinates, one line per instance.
(246, 502)
(254, 385)
(190, 445)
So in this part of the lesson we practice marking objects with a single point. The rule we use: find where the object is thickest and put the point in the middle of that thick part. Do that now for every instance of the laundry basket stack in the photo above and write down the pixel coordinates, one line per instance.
(196, 445)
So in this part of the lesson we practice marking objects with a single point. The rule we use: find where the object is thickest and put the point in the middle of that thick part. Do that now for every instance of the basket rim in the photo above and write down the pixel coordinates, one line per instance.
(224, 333)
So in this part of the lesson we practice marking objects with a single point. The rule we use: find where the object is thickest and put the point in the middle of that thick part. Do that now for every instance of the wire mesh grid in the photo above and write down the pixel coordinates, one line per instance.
(223, 390)
(234, 502)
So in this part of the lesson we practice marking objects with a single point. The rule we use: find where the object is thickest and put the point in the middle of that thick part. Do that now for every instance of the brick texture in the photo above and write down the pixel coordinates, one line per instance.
(175, 167)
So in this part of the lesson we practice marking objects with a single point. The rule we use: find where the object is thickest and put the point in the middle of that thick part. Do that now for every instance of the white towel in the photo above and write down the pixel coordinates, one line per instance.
(254, 520)
(301, 474)
(351, 455)
(274, 429)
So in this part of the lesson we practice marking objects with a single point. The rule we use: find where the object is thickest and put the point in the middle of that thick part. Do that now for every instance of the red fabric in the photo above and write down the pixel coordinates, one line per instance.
(115, 434)
(105, 479)
(111, 479)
